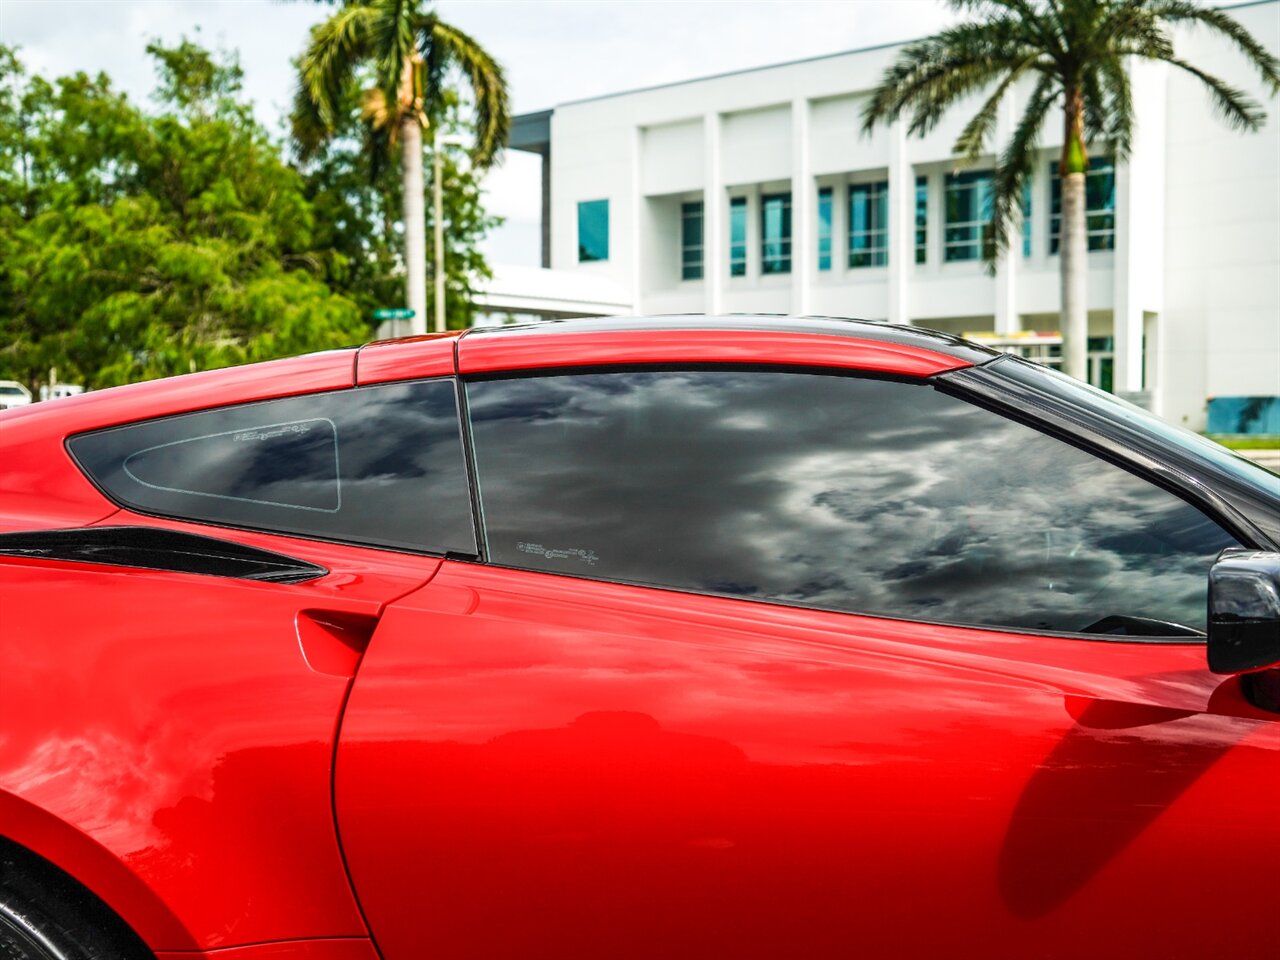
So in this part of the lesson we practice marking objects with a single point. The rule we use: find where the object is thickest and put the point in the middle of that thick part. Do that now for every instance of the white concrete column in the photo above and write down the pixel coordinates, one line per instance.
(1138, 272)
(1126, 318)
(715, 219)
(1006, 310)
(902, 228)
(639, 220)
(804, 238)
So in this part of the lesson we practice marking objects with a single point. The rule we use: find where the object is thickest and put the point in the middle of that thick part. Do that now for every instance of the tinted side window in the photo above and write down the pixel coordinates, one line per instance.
(829, 491)
(380, 465)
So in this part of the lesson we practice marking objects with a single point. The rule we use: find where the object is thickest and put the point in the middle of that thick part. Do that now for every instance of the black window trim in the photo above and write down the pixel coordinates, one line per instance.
(468, 466)
(986, 393)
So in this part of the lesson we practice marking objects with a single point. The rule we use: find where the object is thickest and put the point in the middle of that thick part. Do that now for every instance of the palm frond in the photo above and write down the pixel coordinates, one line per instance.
(1024, 10)
(930, 75)
(449, 45)
(1184, 11)
(1131, 27)
(1017, 162)
(306, 124)
(1120, 120)
(337, 46)
(974, 136)
(392, 40)
(1095, 106)
(379, 140)
(1240, 111)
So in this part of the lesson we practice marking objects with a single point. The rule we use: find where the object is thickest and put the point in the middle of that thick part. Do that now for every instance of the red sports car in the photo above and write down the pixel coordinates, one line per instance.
(670, 637)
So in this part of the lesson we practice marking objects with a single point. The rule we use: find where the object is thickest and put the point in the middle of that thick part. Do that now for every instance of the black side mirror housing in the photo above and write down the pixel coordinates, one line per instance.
(1244, 611)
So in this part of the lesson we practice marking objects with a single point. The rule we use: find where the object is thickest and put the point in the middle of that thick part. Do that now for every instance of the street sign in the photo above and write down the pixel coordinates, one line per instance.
(393, 313)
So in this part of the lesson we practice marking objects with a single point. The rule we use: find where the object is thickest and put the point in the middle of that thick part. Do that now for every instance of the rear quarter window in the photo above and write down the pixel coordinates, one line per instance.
(380, 465)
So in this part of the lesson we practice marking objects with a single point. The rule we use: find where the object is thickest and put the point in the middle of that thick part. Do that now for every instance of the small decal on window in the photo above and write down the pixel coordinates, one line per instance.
(271, 434)
(563, 553)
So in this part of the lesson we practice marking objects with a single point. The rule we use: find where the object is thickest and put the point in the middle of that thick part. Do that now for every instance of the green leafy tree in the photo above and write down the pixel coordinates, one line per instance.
(408, 53)
(358, 207)
(141, 244)
(1075, 52)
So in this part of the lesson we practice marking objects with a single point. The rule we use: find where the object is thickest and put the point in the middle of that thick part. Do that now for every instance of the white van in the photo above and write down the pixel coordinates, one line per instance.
(13, 394)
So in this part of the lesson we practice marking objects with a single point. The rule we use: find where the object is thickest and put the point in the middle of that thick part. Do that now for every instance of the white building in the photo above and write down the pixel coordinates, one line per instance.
(755, 192)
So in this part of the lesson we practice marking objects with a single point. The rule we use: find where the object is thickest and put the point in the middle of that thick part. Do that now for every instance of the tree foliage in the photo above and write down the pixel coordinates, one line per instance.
(1075, 52)
(359, 202)
(137, 243)
(377, 73)
(404, 54)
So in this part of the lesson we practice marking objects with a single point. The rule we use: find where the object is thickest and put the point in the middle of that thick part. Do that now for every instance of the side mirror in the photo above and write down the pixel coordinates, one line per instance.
(1244, 611)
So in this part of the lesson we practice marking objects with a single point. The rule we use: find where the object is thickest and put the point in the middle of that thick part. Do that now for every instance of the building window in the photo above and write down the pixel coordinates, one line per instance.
(738, 237)
(968, 216)
(868, 224)
(922, 219)
(824, 228)
(775, 233)
(691, 240)
(1099, 205)
(593, 230)
(1026, 218)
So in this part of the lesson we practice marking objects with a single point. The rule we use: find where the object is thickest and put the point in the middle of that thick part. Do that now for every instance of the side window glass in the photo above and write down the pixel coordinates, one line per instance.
(380, 465)
(836, 492)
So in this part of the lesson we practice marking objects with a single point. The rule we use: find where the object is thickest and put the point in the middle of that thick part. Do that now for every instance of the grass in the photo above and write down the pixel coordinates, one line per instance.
(1233, 442)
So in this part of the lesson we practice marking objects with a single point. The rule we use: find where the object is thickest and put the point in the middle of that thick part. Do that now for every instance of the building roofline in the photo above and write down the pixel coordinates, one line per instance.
(788, 63)
(742, 70)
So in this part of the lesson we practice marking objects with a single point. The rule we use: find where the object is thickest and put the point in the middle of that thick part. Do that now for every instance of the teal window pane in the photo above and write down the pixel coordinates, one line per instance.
(1026, 218)
(1099, 205)
(691, 240)
(922, 219)
(775, 233)
(970, 199)
(824, 228)
(593, 230)
(868, 224)
(738, 237)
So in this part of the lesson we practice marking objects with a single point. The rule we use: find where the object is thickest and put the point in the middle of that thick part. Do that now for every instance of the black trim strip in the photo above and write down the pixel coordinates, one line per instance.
(473, 476)
(155, 548)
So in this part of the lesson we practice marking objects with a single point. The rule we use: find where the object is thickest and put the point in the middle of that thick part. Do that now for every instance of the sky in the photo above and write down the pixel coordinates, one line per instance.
(553, 51)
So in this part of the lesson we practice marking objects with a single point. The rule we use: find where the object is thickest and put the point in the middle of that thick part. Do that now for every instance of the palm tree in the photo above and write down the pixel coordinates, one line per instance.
(409, 52)
(1075, 51)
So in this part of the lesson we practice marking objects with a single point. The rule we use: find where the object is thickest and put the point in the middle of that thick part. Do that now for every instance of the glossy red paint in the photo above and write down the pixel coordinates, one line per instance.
(537, 349)
(409, 358)
(40, 486)
(533, 762)
(538, 765)
(182, 764)
(346, 949)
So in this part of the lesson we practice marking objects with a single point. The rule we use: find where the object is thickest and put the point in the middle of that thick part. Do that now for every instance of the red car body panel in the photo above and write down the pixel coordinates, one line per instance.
(534, 349)
(412, 358)
(199, 760)
(535, 765)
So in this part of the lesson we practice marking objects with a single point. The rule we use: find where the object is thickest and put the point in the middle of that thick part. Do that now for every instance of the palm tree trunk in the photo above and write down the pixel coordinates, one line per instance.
(1073, 241)
(1075, 273)
(415, 238)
